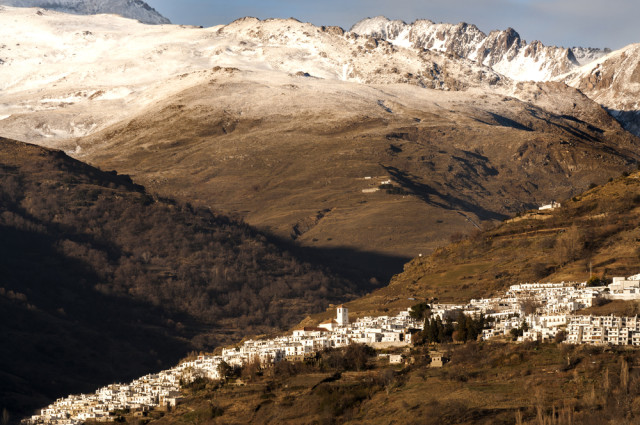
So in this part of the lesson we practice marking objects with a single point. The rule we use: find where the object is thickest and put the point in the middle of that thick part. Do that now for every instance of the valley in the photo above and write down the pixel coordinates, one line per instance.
(281, 123)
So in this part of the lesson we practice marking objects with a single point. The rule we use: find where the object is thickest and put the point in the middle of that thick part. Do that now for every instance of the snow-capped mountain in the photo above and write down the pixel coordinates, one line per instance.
(71, 75)
(134, 9)
(504, 51)
(614, 82)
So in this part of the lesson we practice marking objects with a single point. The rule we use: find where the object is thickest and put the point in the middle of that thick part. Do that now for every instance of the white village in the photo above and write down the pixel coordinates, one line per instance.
(540, 310)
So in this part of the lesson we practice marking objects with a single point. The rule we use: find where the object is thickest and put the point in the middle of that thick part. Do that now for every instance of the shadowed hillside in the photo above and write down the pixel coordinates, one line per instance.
(100, 281)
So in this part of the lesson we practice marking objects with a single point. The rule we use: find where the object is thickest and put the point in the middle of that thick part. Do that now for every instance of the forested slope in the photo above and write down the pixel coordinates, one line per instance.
(101, 281)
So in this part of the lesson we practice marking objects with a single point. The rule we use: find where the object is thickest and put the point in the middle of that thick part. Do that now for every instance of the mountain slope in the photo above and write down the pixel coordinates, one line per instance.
(102, 282)
(386, 170)
(281, 122)
(133, 9)
(503, 51)
(483, 384)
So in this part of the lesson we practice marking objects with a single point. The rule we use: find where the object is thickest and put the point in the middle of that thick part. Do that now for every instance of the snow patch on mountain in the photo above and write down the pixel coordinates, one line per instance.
(133, 9)
(503, 51)
(586, 55)
(66, 76)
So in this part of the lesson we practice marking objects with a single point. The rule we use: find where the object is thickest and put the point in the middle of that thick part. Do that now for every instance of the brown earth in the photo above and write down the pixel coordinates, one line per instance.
(292, 156)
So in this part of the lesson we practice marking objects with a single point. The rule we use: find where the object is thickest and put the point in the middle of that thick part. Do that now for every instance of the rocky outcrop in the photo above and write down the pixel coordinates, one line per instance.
(586, 55)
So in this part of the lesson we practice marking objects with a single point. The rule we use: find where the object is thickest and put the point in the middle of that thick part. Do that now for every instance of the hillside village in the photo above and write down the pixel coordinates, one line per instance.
(163, 389)
(539, 310)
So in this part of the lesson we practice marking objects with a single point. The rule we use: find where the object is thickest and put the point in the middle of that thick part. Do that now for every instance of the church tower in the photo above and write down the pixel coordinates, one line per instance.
(343, 315)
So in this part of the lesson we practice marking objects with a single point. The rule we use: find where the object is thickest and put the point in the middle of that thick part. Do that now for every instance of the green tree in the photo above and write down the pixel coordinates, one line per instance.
(516, 332)
(432, 335)
(468, 328)
(596, 281)
(224, 370)
(461, 328)
(475, 327)
(420, 311)
(560, 337)
(441, 331)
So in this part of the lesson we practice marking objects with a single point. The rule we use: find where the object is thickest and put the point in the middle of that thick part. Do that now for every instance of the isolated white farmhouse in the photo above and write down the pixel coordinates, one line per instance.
(552, 206)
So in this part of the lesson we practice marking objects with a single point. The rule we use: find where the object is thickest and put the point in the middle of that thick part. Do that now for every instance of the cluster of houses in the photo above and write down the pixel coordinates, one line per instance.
(604, 330)
(163, 389)
(378, 332)
(625, 288)
(539, 311)
(540, 308)
(536, 311)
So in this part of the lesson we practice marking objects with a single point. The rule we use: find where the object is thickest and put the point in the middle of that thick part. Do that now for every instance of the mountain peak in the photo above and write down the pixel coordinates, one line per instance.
(133, 9)
(380, 27)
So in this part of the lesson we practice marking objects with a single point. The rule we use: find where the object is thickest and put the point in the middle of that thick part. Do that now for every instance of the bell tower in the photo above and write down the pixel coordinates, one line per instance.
(342, 315)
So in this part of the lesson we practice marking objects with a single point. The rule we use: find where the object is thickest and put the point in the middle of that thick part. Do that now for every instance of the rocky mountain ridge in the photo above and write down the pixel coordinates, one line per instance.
(503, 51)
(133, 9)
(47, 100)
